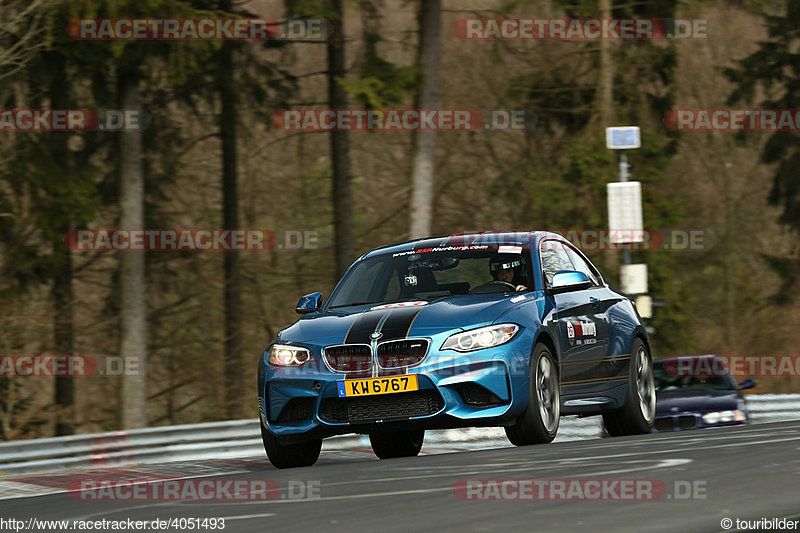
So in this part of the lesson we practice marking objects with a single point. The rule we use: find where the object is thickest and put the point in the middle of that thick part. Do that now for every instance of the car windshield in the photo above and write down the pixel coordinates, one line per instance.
(666, 382)
(431, 273)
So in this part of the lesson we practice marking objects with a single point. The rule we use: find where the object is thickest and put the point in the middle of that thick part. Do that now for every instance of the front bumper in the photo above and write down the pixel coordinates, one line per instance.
(482, 388)
(667, 422)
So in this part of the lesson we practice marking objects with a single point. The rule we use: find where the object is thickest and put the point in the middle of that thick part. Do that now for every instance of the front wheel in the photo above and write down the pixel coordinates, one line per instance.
(538, 424)
(638, 413)
(391, 444)
(290, 455)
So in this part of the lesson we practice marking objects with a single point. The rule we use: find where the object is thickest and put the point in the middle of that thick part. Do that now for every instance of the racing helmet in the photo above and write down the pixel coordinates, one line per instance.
(502, 262)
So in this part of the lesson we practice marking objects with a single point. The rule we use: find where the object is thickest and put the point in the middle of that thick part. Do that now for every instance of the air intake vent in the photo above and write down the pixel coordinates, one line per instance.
(687, 422)
(349, 357)
(474, 394)
(384, 407)
(406, 352)
(296, 410)
(664, 424)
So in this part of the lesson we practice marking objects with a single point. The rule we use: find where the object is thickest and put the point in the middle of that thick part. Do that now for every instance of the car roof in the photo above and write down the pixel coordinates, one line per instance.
(526, 237)
(684, 357)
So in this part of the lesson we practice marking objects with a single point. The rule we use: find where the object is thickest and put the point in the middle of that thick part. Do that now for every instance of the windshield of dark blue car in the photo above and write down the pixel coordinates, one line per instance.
(666, 382)
(433, 273)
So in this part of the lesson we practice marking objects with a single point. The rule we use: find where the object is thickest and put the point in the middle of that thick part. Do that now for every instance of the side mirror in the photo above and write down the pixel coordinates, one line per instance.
(749, 383)
(569, 280)
(309, 303)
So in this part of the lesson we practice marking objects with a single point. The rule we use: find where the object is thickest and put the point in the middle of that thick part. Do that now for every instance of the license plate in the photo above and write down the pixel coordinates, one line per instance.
(374, 386)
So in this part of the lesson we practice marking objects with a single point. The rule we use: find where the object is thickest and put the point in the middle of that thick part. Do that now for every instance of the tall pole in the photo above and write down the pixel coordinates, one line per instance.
(623, 176)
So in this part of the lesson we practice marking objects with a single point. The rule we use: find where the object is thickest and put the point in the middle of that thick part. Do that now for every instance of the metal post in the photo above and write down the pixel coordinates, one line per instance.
(623, 176)
(623, 165)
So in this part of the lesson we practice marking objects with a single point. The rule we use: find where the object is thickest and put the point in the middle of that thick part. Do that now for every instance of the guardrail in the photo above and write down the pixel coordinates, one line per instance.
(773, 407)
(242, 438)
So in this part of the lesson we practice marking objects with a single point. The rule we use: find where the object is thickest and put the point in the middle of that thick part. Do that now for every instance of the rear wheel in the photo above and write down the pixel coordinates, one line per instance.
(391, 444)
(290, 455)
(538, 424)
(637, 415)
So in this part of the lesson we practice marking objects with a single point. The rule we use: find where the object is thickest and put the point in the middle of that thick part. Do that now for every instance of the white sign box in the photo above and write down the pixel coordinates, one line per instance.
(633, 278)
(644, 305)
(625, 212)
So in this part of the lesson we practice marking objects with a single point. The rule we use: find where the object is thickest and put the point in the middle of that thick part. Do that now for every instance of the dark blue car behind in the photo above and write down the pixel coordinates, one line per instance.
(695, 392)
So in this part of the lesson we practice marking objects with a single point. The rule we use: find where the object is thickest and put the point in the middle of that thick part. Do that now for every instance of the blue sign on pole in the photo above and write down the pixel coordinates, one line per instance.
(623, 138)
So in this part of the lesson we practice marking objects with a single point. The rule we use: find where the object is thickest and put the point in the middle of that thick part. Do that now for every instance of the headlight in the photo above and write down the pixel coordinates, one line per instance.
(283, 355)
(718, 417)
(741, 412)
(480, 338)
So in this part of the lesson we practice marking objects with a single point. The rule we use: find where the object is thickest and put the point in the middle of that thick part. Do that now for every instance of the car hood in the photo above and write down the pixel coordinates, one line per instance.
(355, 324)
(704, 400)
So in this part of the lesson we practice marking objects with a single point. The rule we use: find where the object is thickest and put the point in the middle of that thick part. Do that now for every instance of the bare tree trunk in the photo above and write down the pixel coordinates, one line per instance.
(340, 148)
(133, 341)
(234, 376)
(604, 101)
(421, 206)
(63, 327)
(62, 258)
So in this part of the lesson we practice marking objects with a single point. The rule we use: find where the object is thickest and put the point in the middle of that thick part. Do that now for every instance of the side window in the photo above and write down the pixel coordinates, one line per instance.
(554, 258)
(582, 266)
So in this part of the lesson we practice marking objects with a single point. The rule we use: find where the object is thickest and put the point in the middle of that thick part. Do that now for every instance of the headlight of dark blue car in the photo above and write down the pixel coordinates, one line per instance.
(717, 417)
(477, 339)
(285, 355)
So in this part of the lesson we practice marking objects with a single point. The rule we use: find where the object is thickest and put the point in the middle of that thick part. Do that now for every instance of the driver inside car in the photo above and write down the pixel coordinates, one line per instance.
(507, 270)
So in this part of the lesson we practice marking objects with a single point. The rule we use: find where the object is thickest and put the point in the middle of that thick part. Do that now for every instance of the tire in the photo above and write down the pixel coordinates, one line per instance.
(290, 455)
(538, 424)
(389, 445)
(637, 415)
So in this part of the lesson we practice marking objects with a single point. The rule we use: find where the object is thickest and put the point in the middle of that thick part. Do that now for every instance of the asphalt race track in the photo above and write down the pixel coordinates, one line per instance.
(749, 472)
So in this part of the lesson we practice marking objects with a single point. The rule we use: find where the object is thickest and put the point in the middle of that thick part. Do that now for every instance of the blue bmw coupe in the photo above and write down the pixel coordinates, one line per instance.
(493, 329)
